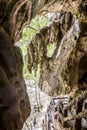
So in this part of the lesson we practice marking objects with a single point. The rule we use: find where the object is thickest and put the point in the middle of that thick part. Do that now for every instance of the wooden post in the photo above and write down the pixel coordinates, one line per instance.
(46, 121)
(64, 115)
(43, 125)
(78, 125)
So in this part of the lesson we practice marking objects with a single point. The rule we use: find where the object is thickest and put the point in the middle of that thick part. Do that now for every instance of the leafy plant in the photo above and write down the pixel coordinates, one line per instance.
(28, 33)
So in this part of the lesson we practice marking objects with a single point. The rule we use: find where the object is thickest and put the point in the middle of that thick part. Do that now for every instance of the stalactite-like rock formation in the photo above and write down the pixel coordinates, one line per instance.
(64, 70)
(64, 32)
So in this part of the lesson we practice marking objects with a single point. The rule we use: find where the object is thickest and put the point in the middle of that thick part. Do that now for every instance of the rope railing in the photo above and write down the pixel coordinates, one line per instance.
(79, 98)
(71, 114)
(64, 115)
(82, 114)
(79, 112)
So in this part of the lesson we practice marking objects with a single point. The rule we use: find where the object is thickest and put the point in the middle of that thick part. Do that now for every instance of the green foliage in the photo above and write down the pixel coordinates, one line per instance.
(28, 33)
(34, 75)
(50, 49)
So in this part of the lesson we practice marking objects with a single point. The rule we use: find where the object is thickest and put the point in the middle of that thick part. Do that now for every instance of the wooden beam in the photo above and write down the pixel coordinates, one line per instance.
(32, 28)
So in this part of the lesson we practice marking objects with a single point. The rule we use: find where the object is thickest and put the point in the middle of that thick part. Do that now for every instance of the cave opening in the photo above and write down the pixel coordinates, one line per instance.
(45, 63)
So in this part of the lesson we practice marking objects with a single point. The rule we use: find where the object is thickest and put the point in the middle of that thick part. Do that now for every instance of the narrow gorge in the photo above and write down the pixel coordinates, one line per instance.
(64, 72)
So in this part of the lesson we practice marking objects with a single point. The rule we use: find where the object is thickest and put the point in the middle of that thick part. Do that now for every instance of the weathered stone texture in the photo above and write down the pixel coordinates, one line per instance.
(14, 102)
(61, 72)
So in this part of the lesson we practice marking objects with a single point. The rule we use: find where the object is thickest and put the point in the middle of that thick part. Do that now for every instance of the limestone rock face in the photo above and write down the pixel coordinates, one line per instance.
(64, 32)
(15, 14)
(14, 102)
(66, 69)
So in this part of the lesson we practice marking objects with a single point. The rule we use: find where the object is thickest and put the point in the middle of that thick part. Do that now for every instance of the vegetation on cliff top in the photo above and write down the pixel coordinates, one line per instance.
(28, 33)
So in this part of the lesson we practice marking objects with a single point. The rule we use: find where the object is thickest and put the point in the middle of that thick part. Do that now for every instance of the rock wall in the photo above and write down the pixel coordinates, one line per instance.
(62, 31)
(64, 71)
(15, 14)
(14, 102)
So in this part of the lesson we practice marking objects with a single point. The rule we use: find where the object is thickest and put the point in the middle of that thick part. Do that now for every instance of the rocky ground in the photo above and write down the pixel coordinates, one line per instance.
(44, 101)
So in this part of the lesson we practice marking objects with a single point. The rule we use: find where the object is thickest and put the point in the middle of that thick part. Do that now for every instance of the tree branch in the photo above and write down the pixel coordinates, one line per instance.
(32, 28)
